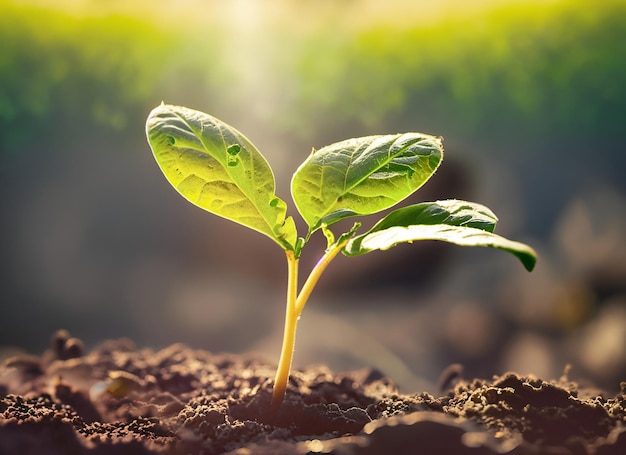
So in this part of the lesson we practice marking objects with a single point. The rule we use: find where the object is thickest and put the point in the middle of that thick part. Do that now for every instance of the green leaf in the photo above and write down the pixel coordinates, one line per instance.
(215, 167)
(363, 176)
(459, 222)
(452, 212)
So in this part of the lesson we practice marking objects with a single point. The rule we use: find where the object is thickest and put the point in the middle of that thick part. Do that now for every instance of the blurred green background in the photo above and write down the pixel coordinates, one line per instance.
(529, 95)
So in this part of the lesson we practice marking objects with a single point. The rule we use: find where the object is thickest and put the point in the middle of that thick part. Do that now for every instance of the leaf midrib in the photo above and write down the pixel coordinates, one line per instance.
(390, 157)
(254, 202)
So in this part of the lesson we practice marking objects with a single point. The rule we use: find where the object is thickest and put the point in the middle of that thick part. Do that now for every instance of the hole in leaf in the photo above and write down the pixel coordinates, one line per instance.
(233, 149)
(233, 161)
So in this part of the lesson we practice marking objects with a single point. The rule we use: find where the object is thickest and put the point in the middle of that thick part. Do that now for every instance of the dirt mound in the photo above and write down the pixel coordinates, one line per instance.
(118, 399)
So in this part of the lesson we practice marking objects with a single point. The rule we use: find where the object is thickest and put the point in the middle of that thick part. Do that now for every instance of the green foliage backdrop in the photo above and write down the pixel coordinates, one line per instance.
(66, 75)
(548, 72)
(551, 71)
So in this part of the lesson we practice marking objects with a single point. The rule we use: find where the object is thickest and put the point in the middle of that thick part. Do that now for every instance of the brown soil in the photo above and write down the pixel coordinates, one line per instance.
(118, 399)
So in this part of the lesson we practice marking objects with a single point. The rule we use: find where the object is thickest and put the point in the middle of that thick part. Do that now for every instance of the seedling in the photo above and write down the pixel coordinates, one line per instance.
(217, 168)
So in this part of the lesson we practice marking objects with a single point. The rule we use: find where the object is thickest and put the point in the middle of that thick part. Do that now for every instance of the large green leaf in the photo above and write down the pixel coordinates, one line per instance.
(363, 176)
(215, 167)
(459, 222)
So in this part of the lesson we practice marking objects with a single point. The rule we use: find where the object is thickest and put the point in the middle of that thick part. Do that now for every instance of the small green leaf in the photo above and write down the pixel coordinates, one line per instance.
(363, 176)
(330, 237)
(459, 222)
(452, 212)
(217, 168)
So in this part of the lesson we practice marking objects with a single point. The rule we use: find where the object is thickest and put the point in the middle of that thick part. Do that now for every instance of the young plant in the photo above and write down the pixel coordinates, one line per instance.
(217, 168)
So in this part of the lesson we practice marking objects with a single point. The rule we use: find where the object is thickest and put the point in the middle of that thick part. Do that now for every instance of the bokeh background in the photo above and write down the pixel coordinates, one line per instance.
(529, 95)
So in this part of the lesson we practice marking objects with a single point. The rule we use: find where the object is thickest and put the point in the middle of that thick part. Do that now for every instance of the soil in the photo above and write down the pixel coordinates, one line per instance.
(118, 399)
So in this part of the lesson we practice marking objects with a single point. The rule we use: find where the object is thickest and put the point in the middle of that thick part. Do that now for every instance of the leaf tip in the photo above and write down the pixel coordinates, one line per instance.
(529, 260)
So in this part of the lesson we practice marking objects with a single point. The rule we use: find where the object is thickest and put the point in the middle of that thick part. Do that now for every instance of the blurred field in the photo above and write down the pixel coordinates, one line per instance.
(530, 98)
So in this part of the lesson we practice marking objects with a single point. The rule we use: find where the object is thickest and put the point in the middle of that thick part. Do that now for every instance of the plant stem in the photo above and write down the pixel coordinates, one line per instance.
(315, 275)
(295, 305)
(289, 336)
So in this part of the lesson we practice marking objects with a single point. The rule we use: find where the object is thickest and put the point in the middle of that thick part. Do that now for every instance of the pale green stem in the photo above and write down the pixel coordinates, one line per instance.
(289, 336)
(295, 305)
(315, 275)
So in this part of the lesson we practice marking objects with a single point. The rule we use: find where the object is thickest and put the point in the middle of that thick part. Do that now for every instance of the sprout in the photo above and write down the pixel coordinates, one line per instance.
(217, 168)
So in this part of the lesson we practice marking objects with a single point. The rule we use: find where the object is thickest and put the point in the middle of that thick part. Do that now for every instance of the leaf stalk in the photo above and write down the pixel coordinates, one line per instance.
(316, 273)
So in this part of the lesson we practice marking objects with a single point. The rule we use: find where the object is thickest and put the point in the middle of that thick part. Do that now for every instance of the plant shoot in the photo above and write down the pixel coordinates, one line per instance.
(218, 169)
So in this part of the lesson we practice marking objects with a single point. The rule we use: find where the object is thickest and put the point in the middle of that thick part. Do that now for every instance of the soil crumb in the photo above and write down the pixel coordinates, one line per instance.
(118, 399)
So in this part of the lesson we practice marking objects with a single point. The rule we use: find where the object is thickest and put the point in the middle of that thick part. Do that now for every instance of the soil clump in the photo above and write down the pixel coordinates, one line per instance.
(118, 399)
